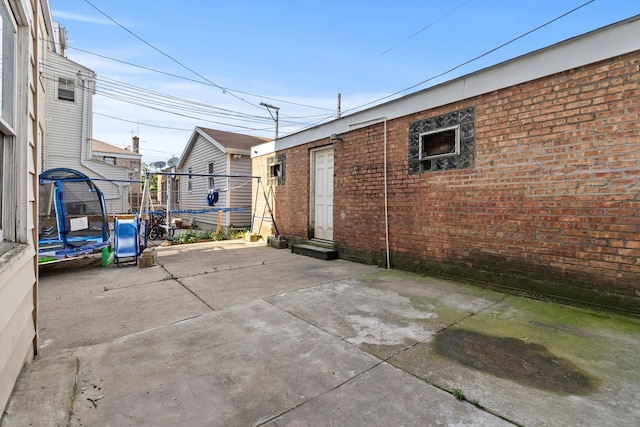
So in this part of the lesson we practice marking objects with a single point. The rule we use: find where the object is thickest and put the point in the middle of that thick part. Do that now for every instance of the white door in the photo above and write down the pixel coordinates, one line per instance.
(323, 194)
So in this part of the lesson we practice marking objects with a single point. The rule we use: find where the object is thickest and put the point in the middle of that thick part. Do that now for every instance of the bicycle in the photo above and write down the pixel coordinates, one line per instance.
(157, 228)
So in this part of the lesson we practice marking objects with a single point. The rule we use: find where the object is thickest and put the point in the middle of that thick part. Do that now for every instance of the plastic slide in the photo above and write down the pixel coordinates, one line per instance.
(126, 240)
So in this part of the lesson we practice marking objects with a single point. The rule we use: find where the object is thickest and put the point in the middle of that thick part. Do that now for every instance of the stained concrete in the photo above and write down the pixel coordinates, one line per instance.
(605, 348)
(237, 334)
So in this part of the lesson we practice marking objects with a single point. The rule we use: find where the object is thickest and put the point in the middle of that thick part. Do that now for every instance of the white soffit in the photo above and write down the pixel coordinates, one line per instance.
(263, 149)
(607, 42)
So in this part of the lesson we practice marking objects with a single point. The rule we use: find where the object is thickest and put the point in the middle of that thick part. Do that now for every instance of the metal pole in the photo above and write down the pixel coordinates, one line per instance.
(169, 185)
(276, 118)
(146, 195)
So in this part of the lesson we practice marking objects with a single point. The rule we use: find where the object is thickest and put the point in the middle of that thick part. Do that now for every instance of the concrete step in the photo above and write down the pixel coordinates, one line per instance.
(315, 251)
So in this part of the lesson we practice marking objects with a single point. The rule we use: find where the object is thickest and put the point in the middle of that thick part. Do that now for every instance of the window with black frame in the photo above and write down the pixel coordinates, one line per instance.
(443, 142)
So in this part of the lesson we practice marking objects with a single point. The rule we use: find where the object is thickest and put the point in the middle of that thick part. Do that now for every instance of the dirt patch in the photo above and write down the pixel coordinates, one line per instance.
(510, 358)
(71, 264)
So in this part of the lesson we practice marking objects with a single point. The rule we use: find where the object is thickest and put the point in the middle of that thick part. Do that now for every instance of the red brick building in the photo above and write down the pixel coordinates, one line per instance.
(523, 176)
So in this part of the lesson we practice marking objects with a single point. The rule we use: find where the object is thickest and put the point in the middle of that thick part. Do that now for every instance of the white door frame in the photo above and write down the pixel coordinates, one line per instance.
(312, 189)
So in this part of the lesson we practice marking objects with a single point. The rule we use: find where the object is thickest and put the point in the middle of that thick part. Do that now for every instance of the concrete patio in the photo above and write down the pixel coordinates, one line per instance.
(241, 334)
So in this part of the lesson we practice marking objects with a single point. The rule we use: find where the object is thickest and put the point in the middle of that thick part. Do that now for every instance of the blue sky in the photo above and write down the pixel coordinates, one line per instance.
(210, 63)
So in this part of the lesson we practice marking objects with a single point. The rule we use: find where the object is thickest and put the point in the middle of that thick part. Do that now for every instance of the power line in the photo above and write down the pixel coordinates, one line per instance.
(134, 95)
(168, 106)
(425, 27)
(473, 59)
(224, 90)
(140, 123)
(197, 81)
(167, 55)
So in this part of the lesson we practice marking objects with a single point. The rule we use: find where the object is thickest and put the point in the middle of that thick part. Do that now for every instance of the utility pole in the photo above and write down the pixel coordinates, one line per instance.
(339, 104)
(277, 110)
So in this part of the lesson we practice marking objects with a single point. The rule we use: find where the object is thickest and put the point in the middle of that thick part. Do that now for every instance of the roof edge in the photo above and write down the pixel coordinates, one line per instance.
(603, 43)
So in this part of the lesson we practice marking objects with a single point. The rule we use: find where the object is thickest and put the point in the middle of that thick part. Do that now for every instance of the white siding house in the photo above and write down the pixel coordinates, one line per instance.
(70, 90)
(26, 33)
(127, 159)
(211, 151)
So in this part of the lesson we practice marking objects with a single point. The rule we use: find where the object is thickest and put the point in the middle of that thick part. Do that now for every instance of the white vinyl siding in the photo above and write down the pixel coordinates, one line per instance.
(64, 145)
(202, 153)
(234, 192)
(21, 89)
(240, 192)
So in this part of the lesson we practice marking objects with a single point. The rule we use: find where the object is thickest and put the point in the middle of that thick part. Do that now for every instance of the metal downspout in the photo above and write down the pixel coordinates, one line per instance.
(85, 133)
(386, 199)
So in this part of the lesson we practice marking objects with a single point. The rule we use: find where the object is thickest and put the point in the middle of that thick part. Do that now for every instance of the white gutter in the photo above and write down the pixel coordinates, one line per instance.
(386, 194)
(86, 134)
(604, 43)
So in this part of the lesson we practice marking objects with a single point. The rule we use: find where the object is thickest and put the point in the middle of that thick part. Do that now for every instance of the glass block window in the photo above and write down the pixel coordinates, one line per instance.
(443, 142)
(276, 169)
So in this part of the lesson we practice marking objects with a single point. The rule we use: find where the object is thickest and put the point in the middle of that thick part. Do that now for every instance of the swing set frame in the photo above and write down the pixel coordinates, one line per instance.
(145, 210)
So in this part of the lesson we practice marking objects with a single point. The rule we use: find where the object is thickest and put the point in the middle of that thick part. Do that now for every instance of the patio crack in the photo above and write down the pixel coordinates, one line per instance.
(293, 408)
(177, 280)
(387, 361)
(74, 393)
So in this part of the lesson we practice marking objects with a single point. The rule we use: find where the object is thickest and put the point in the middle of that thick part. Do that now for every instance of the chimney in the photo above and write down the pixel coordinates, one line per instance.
(135, 143)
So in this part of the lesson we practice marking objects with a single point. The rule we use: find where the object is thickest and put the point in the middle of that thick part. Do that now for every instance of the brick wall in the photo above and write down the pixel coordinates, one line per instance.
(292, 199)
(553, 194)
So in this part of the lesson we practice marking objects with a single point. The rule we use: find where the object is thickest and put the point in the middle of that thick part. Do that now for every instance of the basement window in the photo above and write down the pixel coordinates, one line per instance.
(440, 143)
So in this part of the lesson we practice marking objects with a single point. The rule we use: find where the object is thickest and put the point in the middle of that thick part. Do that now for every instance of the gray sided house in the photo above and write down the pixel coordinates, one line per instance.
(22, 129)
(68, 143)
(217, 152)
(523, 176)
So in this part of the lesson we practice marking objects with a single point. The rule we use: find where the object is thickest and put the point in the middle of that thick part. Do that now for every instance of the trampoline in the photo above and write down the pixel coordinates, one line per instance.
(72, 216)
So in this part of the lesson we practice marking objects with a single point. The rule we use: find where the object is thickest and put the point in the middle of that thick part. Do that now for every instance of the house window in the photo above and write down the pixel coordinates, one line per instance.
(276, 168)
(212, 184)
(66, 89)
(8, 84)
(190, 180)
(110, 160)
(442, 143)
(1, 182)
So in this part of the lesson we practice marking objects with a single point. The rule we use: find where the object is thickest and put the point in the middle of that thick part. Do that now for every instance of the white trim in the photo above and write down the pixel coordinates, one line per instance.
(6, 128)
(263, 149)
(131, 156)
(607, 42)
(312, 185)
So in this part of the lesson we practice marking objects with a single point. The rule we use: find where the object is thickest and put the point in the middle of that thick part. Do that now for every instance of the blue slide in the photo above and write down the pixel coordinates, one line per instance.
(126, 240)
